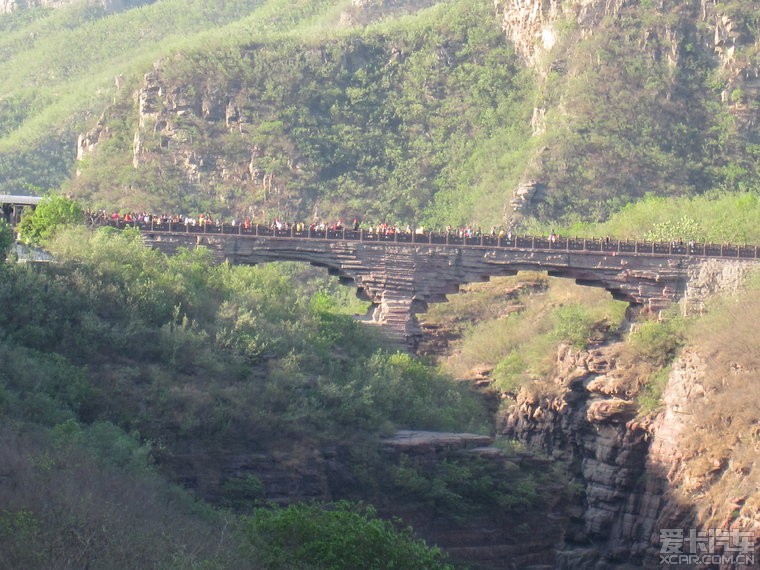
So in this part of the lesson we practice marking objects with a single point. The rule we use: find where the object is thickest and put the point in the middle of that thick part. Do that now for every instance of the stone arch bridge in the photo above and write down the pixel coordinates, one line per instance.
(401, 273)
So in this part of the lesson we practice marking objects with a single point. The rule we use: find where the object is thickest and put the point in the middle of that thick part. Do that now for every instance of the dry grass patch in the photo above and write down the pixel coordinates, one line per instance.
(519, 345)
(721, 442)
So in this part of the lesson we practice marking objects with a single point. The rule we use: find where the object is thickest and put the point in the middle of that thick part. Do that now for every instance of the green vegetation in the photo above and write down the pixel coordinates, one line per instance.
(657, 341)
(87, 495)
(7, 238)
(342, 536)
(420, 118)
(215, 326)
(121, 361)
(396, 123)
(458, 487)
(631, 123)
(652, 346)
(650, 395)
(41, 224)
(519, 322)
(79, 50)
(717, 217)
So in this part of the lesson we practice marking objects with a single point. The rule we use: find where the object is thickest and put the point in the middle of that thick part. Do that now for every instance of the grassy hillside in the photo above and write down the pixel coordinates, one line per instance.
(411, 120)
(717, 217)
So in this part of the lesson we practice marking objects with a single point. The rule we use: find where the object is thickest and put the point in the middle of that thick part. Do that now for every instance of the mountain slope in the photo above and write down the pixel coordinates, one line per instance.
(637, 98)
(395, 122)
(61, 67)
(397, 111)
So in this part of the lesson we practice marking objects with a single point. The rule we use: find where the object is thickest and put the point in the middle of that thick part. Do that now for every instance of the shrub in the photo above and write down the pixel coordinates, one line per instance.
(338, 536)
(243, 492)
(7, 238)
(509, 374)
(61, 504)
(572, 324)
(658, 341)
(51, 213)
(650, 395)
(457, 486)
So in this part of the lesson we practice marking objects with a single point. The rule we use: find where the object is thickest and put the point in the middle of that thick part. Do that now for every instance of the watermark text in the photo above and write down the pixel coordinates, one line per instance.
(709, 546)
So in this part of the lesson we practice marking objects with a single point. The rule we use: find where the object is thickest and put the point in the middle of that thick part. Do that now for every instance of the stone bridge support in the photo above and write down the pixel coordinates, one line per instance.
(401, 280)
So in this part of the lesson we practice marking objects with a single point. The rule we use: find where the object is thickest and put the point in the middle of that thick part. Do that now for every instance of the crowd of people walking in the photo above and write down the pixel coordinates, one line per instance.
(356, 230)
(102, 217)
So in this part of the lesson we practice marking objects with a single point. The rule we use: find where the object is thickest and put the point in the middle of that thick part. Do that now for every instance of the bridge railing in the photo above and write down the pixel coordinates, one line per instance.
(509, 241)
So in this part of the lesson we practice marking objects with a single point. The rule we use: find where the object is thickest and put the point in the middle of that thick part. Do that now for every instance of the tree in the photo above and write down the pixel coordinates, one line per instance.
(339, 536)
(52, 212)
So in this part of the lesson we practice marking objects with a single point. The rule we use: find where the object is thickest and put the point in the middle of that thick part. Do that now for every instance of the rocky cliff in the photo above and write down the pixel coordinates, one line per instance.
(8, 6)
(586, 419)
(363, 12)
(641, 473)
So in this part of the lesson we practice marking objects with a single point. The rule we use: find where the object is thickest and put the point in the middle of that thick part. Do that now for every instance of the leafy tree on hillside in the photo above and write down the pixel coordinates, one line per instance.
(342, 536)
(54, 211)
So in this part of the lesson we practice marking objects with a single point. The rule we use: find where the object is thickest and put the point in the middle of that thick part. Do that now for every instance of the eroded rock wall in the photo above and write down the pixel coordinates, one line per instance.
(587, 420)
(639, 474)
(9, 6)
(712, 276)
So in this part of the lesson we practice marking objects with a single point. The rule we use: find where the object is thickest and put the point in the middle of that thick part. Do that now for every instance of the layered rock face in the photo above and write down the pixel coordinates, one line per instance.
(710, 277)
(589, 424)
(638, 473)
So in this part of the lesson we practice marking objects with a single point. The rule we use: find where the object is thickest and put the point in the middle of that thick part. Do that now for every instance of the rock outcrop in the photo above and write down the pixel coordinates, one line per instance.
(711, 277)
(735, 46)
(9, 6)
(639, 474)
(363, 12)
(587, 421)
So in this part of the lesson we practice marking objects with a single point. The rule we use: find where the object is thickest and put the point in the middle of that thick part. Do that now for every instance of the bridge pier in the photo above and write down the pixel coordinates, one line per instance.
(396, 312)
